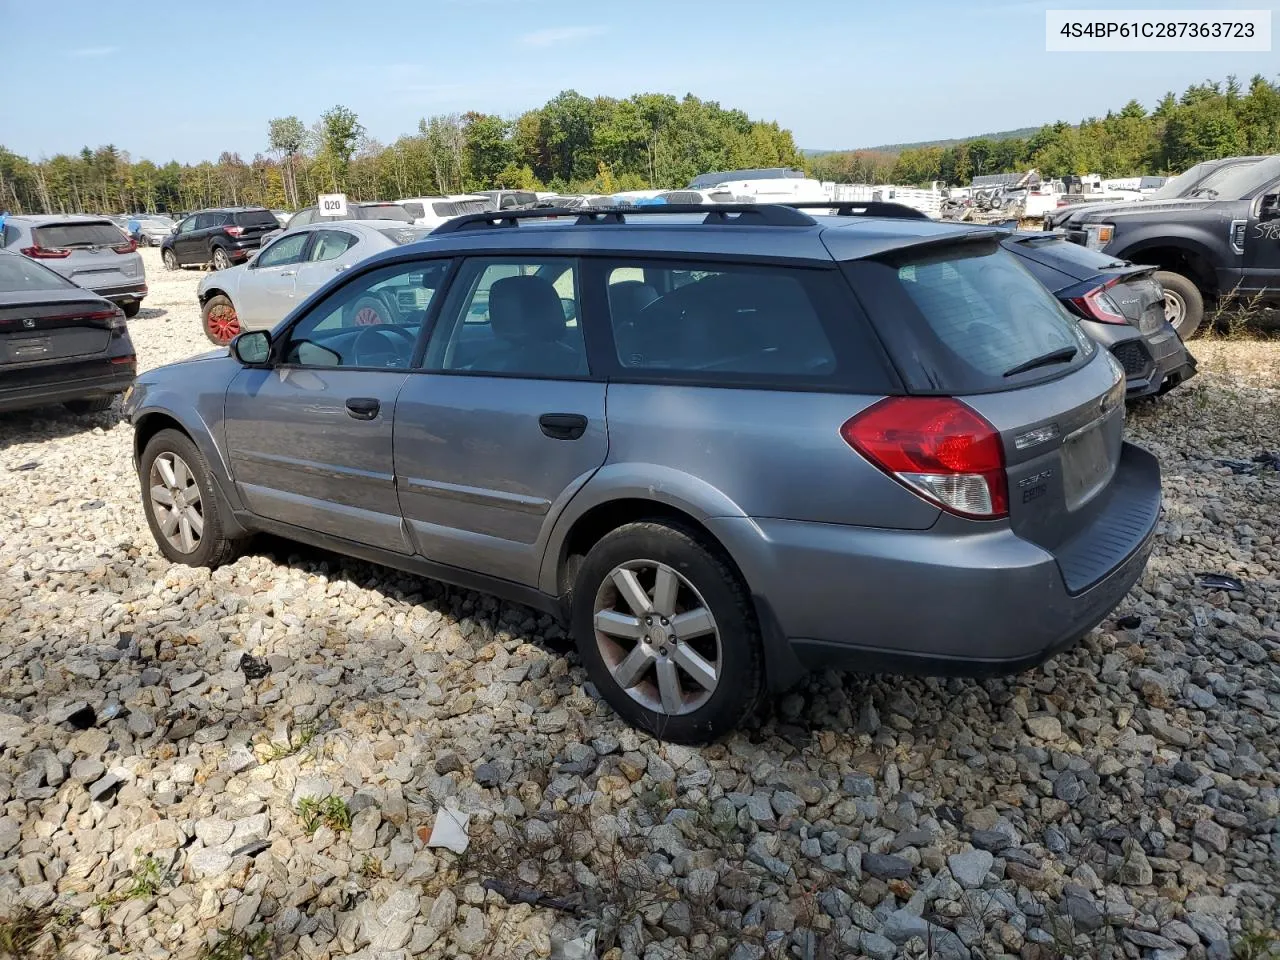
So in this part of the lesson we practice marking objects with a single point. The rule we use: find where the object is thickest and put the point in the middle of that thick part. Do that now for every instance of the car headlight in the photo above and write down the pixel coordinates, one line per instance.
(1098, 235)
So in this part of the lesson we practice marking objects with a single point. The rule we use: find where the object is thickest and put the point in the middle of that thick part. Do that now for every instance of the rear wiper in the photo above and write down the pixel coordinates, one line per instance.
(1061, 355)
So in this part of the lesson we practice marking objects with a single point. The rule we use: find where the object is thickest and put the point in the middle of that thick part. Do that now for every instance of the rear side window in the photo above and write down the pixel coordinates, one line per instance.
(56, 235)
(718, 322)
(257, 218)
(968, 317)
(18, 274)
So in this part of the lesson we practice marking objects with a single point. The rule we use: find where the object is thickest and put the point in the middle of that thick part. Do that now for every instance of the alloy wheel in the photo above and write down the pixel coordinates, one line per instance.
(1175, 308)
(657, 637)
(176, 502)
(224, 325)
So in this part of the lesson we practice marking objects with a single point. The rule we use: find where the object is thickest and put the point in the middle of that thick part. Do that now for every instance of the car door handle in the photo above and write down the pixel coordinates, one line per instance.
(288, 273)
(363, 408)
(341, 267)
(563, 426)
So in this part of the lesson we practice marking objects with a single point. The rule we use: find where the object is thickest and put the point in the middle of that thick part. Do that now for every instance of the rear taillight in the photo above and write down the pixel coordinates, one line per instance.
(233, 231)
(37, 252)
(129, 358)
(128, 247)
(1098, 305)
(940, 448)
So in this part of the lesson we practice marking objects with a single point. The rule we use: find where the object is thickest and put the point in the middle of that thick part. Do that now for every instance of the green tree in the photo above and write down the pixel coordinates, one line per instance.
(286, 135)
(341, 133)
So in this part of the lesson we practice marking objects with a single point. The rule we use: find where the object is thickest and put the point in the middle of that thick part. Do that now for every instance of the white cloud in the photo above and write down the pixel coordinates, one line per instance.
(94, 51)
(554, 35)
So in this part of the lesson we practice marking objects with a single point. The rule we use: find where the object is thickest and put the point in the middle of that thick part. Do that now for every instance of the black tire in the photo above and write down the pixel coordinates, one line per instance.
(1189, 300)
(213, 549)
(170, 259)
(740, 683)
(131, 309)
(220, 259)
(90, 405)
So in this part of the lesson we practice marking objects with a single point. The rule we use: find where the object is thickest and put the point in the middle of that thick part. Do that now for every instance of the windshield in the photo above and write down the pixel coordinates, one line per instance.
(61, 235)
(19, 273)
(414, 208)
(1238, 181)
(1180, 184)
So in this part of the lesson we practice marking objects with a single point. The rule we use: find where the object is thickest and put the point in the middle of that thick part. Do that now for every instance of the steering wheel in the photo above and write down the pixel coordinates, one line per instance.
(373, 347)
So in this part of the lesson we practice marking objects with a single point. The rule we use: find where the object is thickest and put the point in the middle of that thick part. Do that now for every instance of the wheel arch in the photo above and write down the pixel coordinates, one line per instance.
(1182, 255)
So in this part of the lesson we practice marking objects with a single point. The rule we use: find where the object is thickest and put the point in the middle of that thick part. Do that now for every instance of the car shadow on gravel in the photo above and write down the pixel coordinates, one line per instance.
(150, 313)
(51, 423)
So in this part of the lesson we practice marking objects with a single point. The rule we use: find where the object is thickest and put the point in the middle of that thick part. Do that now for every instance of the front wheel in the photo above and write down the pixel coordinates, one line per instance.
(179, 501)
(221, 325)
(170, 259)
(221, 261)
(667, 632)
(1183, 303)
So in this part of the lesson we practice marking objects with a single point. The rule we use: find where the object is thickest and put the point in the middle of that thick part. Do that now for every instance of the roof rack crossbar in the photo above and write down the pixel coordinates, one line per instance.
(864, 208)
(753, 214)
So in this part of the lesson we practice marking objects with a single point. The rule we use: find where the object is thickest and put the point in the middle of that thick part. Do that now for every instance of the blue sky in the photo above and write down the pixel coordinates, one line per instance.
(185, 80)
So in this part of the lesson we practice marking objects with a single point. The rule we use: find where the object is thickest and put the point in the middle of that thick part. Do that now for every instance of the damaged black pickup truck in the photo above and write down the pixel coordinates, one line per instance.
(1218, 241)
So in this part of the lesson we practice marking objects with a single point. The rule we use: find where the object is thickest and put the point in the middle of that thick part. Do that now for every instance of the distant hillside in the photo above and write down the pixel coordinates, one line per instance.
(1021, 132)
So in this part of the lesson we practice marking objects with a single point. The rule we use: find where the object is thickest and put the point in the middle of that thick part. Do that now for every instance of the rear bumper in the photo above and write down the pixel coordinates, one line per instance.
(39, 388)
(931, 602)
(124, 292)
(1152, 363)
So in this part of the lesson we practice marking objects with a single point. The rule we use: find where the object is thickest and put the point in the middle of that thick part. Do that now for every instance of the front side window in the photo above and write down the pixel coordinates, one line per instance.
(373, 321)
(512, 317)
(330, 244)
(717, 320)
(287, 249)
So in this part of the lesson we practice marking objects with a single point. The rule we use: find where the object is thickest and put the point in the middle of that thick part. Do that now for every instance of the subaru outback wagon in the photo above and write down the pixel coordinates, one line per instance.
(725, 447)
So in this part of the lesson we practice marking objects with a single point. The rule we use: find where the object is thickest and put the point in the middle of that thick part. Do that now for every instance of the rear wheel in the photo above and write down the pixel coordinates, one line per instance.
(1183, 303)
(221, 260)
(170, 259)
(179, 501)
(90, 405)
(667, 632)
(221, 325)
(131, 309)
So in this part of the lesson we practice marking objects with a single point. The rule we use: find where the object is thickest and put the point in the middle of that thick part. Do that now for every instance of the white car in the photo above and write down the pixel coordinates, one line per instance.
(259, 294)
(433, 211)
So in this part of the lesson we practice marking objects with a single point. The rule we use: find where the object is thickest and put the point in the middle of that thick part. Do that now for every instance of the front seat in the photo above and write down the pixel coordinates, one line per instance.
(528, 321)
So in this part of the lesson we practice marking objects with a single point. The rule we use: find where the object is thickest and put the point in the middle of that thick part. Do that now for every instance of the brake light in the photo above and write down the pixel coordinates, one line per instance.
(940, 448)
(128, 358)
(1098, 305)
(233, 231)
(37, 252)
(129, 247)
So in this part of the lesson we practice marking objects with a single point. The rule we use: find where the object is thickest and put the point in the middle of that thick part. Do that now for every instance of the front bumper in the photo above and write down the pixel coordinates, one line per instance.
(876, 600)
(44, 386)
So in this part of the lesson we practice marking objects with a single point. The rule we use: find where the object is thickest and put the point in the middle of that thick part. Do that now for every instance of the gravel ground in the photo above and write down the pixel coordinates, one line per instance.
(271, 748)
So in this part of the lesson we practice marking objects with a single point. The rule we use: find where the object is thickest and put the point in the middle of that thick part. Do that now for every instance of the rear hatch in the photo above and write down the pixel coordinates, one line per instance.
(252, 225)
(1130, 290)
(967, 322)
(94, 254)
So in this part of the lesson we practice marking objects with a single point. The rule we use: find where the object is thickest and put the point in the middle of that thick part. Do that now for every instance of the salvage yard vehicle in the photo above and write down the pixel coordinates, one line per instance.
(219, 237)
(748, 445)
(369, 210)
(433, 211)
(1218, 241)
(91, 252)
(1120, 305)
(153, 228)
(257, 295)
(59, 343)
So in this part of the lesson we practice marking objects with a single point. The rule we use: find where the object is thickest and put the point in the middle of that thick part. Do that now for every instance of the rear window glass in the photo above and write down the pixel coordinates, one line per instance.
(969, 315)
(103, 234)
(257, 218)
(470, 206)
(414, 208)
(1067, 254)
(403, 235)
(383, 211)
(444, 208)
(19, 273)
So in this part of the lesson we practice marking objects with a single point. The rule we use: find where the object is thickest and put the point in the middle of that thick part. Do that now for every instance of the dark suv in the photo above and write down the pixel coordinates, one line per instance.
(724, 446)
(221, 237)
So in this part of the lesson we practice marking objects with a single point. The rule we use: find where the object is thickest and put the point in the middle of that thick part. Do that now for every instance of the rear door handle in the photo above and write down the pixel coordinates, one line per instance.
(563, 426)
(363, 408)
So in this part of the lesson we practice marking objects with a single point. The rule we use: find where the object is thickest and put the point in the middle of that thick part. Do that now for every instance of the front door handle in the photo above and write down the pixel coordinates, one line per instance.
(341, 267)
(363, 408)
(288, 273)
(563, 426)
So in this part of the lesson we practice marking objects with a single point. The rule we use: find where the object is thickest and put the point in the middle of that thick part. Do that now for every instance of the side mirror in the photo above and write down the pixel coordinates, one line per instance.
(253, 348)
(1269, 209)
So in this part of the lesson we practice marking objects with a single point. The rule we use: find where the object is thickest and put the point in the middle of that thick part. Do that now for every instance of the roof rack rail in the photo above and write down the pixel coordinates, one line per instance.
(747, 214)
(864, 208)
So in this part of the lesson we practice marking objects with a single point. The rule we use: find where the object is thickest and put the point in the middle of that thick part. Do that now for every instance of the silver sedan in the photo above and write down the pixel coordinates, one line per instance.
(259, 294)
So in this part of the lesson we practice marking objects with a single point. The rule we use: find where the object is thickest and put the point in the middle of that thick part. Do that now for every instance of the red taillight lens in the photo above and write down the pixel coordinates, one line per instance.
(37, 252)
(940, 448)
(1098, 305)
(233, 231)
(129, 247)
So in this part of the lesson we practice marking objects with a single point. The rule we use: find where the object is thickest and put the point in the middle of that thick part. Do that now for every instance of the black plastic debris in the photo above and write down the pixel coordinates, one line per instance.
(1269, 459)
(251, 849)
(84, 718)
(518, 893)
(29, 465)
(1130, 622)
(1220, 581)
(254, 668)
(92, 505)
(1237, 466)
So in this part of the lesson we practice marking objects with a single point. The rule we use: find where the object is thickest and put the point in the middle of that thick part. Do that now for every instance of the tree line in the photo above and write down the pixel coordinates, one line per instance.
(1208, 121)
(571, 143)
(602, 145)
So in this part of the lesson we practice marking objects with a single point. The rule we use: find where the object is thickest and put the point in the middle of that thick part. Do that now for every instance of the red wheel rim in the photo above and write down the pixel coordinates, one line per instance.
(367, 317)
(224, 325)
